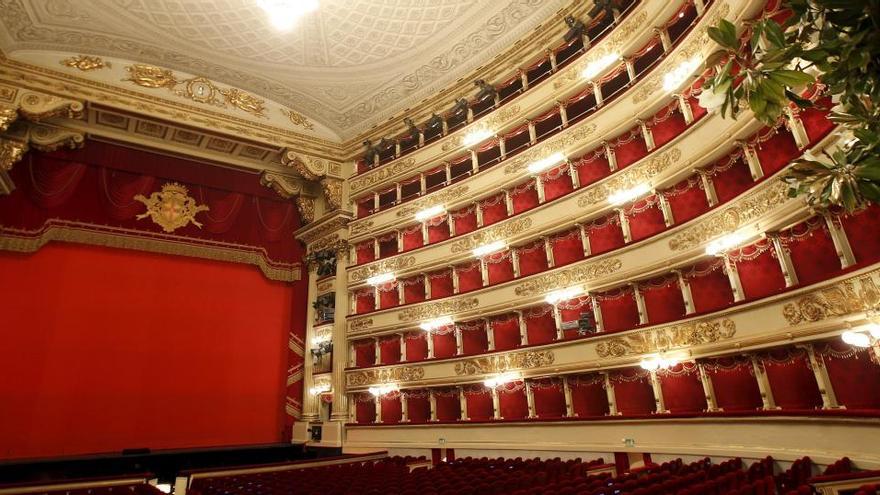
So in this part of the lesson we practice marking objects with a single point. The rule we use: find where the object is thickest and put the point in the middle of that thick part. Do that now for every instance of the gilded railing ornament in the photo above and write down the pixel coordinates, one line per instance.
(171, 208)
(383, 266)
(439, 198)
(453, 142)
(85, 63)
(433, 310)
(667, 338)
(361, 227)
(630, 177)
(485, 236)
(505, 362)
(841, 299)
(559, 143)
(384, 375)
(360, 324)
(298, 119)
(568, 277)
(358, 184)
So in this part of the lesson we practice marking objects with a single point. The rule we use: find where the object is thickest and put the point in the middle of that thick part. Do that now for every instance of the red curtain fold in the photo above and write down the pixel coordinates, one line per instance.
(791, 379)
(120, 188)
(505, 330)
(687, 199)
(854, 374)
(388, 246)
(668, 129)
(524, 197)
(444, 343)
(512, 401)
(389, 350)
(365, 252)
(479, 403)
(633, 392)
(540, 325)
(592, 167)
(494, 209)
(733, 380)
(557, 182)
(816, 121)
(499, 267)
(438, 229)
(473, 337)
(418, 409)
(412, 237)
(364, 353)
(861, 229)
(607, 237)
(469, 277)
(696, 109)
(759, 271)
(416, 346)
(682, 388)
(777, 151)
(731, 180)
(710, 286)
(276, 218)
(619, 310)
(389, 296)
(532, 258)
(365, 408)
(441, 284)
(413, 289)
(53, 182)
(631, 151)
(224, 207)
(365, 301)
(645, 218)
(364, 207)
(812, 251)
(391, 408)
(663, 299)
(465, 220)
(549, 398)
(588, 395)
(567, 247)
(448, 406)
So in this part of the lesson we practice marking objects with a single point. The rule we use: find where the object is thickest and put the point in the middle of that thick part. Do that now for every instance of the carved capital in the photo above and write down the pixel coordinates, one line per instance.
(310, 167)
(11, 152)
(38, 107)
(48, 138)
(306, 208)
(286, 187)
(8, 115)
(332, 192)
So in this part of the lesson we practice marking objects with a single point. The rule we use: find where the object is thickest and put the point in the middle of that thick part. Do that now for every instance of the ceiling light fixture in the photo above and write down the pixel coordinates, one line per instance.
(434, 211)
(563, 295)
(656, 362)
(674, 78)
(380, 279)
(501, 379)
(384, 389)
(476, 136)
(284, 14)
(595, 67)
(436, 323)
(547, 162)
(627, 195)
(489, 248)
(725, 243)
(856, 339)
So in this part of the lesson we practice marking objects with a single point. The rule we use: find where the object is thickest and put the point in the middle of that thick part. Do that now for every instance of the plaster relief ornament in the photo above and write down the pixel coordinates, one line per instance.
(171, 208)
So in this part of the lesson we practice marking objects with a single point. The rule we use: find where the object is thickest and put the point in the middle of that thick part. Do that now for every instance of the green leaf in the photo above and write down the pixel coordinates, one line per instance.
(715, 58)
(800, 102)
(791, 78)
(870, 190)
(774, 34)
(870, 171)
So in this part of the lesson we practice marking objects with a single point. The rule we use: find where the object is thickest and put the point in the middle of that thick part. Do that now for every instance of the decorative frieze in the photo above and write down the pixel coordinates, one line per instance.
(360, 324)
(358, 184)
(841, 299)
(384, 375)
(384, 266)
(511, 361)
(361, 227)
(555, 144)
(442, 197)
(433, 310)
(630, 177)
(497, 233)
(667, 338)
(568, 277)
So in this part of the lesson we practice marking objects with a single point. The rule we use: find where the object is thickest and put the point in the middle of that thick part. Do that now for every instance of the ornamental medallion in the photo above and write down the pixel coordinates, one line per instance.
(171, 208)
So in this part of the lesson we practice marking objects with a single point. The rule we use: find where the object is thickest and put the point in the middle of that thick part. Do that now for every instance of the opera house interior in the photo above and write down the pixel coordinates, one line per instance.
(518, 247)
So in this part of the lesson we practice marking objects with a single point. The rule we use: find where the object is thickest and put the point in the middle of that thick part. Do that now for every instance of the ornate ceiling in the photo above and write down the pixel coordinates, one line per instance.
(351, 64)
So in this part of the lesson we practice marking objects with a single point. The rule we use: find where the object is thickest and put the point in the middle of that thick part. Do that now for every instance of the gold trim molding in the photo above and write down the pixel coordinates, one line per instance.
(384, 266)
(630, 177)
(665, 338)
(496, 233)
(384, 375)
(558, 143)
(505, 362)
(358, 184)
(439, 198)
(568, 277)
(433, 310)
(360, 324)
(841, 299)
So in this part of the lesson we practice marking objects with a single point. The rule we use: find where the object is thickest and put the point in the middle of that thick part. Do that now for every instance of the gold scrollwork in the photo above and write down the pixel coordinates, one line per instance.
(332, 192)
(384, 375)
(439, 198)
(453, 142)
(380, 174)
(360, 324)
(85, 63)
(840, 299)
(11, 152)
(505, 362)
(37, 107)
(306, 208)
(324, 286)
(555, 144)
(384, 266)
(499, 232)
(568, 277)
(171, 208)
(666, 338)
(286, 187)
(433, 310)
(298, 119)
(361, 227)
(630, 177)
(8, 115)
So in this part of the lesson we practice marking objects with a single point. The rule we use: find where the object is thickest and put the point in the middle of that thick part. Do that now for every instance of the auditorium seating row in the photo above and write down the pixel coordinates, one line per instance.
(528, 77)
(134, 484)
(555, 118)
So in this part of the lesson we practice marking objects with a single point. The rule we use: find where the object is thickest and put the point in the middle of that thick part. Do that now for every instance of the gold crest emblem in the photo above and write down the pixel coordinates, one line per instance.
(171, 208)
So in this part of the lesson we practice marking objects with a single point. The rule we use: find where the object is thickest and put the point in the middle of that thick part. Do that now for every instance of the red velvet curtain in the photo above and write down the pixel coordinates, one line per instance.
(532, 258)
(861, 229)
(567, 247)
(365, 408)
(791, 378)
(557, 182)
(225, 207)
(448, 406)
(365, 252)
(389, 296)
(470, 276)
(387, 245)
(619, 309)
(412, 237)
(505, 330)
(777, 150)
(630, 148)
(438, 229)
(588, 395)
(633, 392)
(645, 218)
(392, 411)
(389, 350)
(416, 345)
(53, 181)
(592, 167)
(854, 374)
(730, 176)
(605, 234)
(687, 199)
(441, 284)
(494, 209)
(413, 289)
(682, 388)
(816, 121)
(365, 300)
(667, 124)
(512, 400)
(444, 342)
(549, 398)
(663, 299)
(499, 267)
(540, 324)
(524, 197)
(473, 337)
(364, 353)
(710, 287)
(811, 250)
(364, 207)
(465, 220)
(119, 189)
(759, 270)
(733, 380)
(479, 403)
(418, 406)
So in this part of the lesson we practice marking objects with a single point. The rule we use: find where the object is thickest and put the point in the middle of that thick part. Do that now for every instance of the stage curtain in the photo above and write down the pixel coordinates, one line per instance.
(441, 283)
(448, 406)
(412, 237)
(365, 408)
(364, 353)
(811, 251)
(413, 289)
(588, 396)
(225, 207)
(549, 397)
(418, 406)
(389, 350)
(861, 229)
(469, 276)
(276, 218)
(730, 176)
(465, 220)
(605, 234)
(567, 247)
(499, 266)
(816, 120)
(524, 197)
(473, 337)
(505, 330)
(416, 345)
(682, 388)
(494, 209)
(571, 311)
(630, 148)
(365, 252)
(854, 374)
(710, 287)
(444, 342)
(633, 391)
(619, 309)
(687, 199)
(557, 182)
(663, 299)
(775, 149)
(532, 258)
(120, 188)
(759, 270)
(391, 408)
(438, 229)
(791, 378)
(53, 181)
(667, 124)
(540, 324)
(592, 167)
(733, 380)
(645, 218)
(479, 402)
(512, 400)
(387, 245)
(389, 296)
(365, 300)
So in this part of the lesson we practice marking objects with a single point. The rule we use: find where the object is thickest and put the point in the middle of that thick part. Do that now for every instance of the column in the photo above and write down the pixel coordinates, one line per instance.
(563, 113)
(401, 293)
(530, 399)
(539, 186)
(377, 351)
(514, 259)
(557, 319)
(708, 389)
(496, 404)
(569, 404)
(508, 202)
(403, 347)
(666, 209)
(797, 128)
(630, 68)
(448, 170)
(459, 343)
(351, 355)
(585, 241)
(455, 288)
(686, 110)
(426, 283)
(752, 160)
(640, 304)
(376, 252)
(523, 333)
(308, 401)
(490, 336)
(841, 242)
(429, 339)
(784, 258)
(533, 136)
(433, 401)
(597, 91)
(575, 179)
(609, 394)
(462, 404)
(475, 161)
(763, 384)
(352, 412)
(398, 192)
(502, 147)
(597, 313)
(339, 338)
(479, 211)
(548, 252)
(733, 277)
(404, 408)
(451, 223)
(829, 398)
(376, 302)
(399, 241)
(708, 187)
(524, 78)
(624, 226)
(664, 38)
(552, 56)
(658, 393)
(377, 401)
(685, 293)
(375, 201)
(700, 6)
(484, 272)
(610, 156)
(646, 134)
(445, 130)
(423, 186)
(470, 115)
